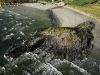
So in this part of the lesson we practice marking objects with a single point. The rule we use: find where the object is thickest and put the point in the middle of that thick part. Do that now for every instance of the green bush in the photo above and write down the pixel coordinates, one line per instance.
(98, 2)
(80, 2)
(68, 1)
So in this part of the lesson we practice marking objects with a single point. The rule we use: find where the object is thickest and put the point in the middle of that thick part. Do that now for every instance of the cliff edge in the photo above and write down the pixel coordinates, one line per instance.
(59, 42)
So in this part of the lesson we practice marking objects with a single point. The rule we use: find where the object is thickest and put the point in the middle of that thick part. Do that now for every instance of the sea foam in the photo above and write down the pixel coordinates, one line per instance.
(8, 36)
(1, 19)
(80, 69)
(22, 33)
(48, 69)
(4, 28)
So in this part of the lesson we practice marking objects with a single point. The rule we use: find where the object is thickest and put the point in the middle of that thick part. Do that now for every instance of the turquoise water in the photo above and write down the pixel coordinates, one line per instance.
(17, 24)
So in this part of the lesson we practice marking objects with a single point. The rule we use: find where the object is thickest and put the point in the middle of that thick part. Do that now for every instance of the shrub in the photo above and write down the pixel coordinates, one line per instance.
(80, 2)
(98, 2)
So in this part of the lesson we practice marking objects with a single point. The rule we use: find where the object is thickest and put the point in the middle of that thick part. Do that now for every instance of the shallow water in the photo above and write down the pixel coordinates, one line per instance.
(17, 24)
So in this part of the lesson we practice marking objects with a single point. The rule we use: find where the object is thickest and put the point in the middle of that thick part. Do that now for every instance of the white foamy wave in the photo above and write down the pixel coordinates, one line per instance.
(26, 26)
(71, 72)
(47, 69)
(1, 19)
(26, 17)
(27, 56)
(10, 11)
(21, 28)
(9, 59)
(23, 42)
(1, 12)
(31, 55)
(4, 28)
(33, 20)
(18, 38)
(12, 29)
(22, 33)
(2, 9)
(19, 24)
(80, 62)
(24, 57)
(94, 63)
(30, 23)
(8, 36)
(80, 69)
(11, 34)
(57, 62)
(2, 68)
(26, 73)
(16, 66)
(5, 56)
(17, 14)
(9, 15)
(16, 21)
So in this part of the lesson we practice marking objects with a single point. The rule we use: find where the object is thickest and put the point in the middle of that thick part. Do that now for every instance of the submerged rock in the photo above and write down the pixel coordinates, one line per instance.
(59, 42)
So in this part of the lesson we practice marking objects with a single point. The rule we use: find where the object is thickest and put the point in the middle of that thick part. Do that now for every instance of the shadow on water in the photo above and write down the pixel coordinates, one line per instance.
(54, 20)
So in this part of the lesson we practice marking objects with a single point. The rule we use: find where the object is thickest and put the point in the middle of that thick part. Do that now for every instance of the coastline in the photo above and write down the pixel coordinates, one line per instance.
(67, 16)
(51, 46)
(40, 6)
(70, 17)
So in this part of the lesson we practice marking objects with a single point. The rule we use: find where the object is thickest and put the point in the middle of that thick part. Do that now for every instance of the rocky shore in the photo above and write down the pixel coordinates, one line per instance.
(59, 42)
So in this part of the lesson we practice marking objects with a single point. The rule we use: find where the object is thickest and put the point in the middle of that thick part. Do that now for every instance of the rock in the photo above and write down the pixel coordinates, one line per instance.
(61, 4)
(59, 42)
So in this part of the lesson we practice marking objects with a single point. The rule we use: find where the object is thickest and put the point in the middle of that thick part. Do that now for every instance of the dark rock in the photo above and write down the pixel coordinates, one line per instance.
(59, 42)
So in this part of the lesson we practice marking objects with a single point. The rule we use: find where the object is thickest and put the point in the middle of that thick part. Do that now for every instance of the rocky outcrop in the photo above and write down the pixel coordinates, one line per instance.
(59, 42)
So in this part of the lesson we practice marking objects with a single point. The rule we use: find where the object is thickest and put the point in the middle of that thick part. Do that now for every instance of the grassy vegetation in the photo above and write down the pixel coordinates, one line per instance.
(92, 9)
(80, 2)
(57, 31)
(71, 33)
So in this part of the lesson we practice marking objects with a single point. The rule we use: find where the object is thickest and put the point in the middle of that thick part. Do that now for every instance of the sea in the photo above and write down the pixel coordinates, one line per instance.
(17, 24)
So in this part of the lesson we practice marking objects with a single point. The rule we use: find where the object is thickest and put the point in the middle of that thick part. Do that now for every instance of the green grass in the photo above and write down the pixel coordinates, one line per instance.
(92, 9)
(57, 31)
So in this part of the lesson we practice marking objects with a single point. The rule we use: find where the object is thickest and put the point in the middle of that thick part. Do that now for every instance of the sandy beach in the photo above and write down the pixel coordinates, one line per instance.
(70, 18)
(40, 6)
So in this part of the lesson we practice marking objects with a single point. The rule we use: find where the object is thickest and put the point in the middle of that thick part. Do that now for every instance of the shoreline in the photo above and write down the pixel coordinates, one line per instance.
(67, 16)
(70, 17)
